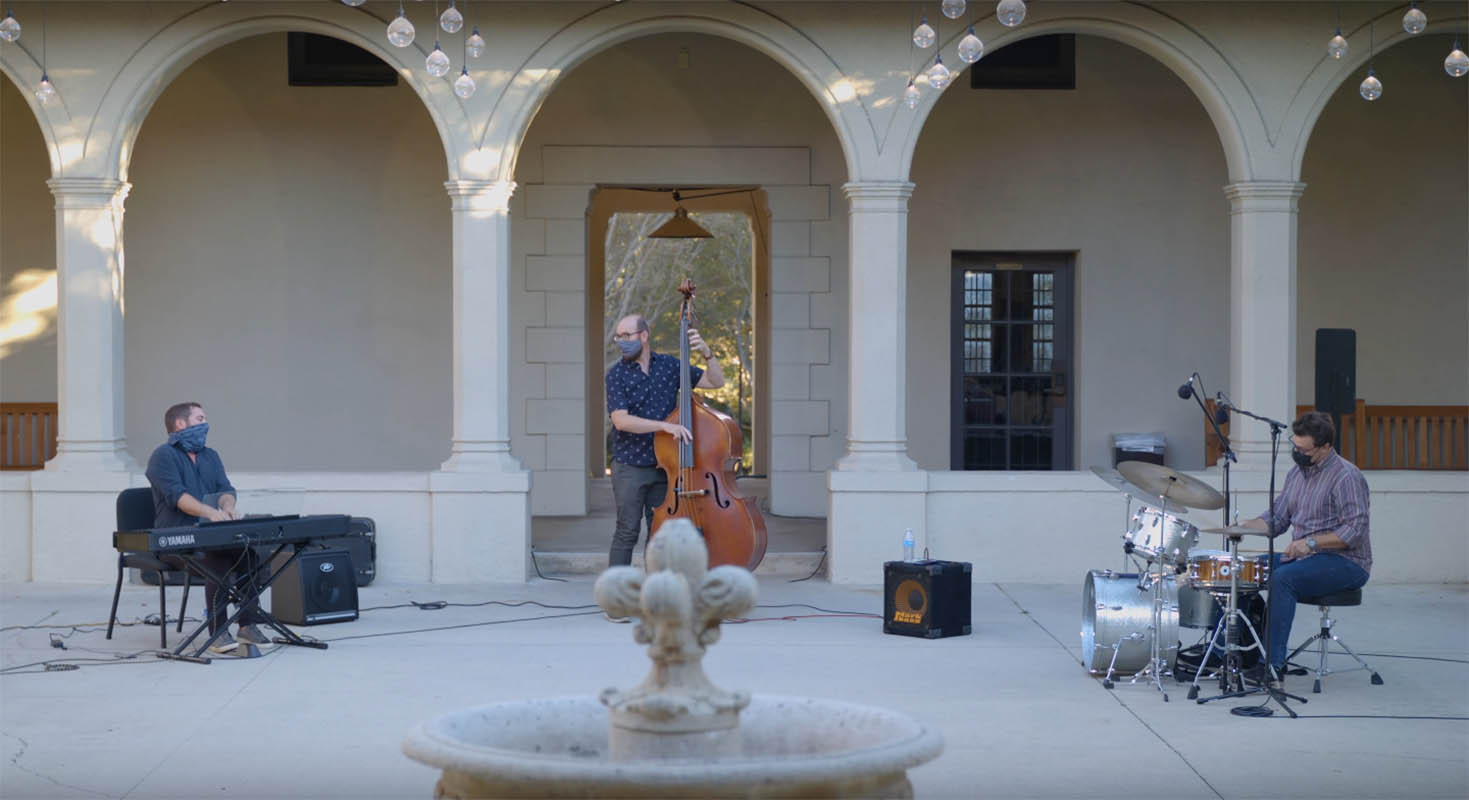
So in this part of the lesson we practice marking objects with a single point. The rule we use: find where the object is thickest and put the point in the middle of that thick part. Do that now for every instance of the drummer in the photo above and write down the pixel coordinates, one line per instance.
(1326, 506)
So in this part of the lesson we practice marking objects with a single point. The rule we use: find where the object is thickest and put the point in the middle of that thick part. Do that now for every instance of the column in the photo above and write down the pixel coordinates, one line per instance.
(480, 497)
(877, 429)
(89, 340)
(1262, 322)
(481, 253)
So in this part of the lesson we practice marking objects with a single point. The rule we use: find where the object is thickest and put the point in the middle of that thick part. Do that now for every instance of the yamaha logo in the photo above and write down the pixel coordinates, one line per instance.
(326, 566)
(175, 541)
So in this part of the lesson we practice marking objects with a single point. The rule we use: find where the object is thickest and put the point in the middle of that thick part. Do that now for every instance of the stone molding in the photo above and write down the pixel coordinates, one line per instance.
(472, 195)
(73, 193)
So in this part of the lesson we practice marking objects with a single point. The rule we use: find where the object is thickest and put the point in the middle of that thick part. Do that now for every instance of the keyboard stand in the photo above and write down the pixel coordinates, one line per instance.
(245, 593)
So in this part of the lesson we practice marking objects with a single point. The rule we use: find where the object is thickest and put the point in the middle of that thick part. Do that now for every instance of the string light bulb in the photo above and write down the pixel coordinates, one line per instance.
(400, 30)
(437, 62)
(1415, 21)
(923, 35)
(1457, 64)
(1371, 87)
(451, 20)
(1337, 47)
(970, 47)
(353, 3)
(474, 46)
(10, 26)
(1010, 12)
(464, 85)
(953, 9)
(939, 75)
(45, 91)
(911, 95)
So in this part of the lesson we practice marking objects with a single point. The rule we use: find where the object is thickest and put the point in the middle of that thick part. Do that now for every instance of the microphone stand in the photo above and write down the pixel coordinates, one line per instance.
(1227, 451)
(1272, 692)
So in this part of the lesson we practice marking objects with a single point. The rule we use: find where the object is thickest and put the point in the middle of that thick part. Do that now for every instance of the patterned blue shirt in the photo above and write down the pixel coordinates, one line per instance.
(650, 396)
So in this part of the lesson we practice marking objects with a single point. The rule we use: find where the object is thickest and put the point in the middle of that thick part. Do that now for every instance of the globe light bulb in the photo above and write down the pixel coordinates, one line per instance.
(475, 44)
(1415, 21)
(939, 75)
(353, 3)
(953, 9)
(45, 91)
(464, 85)
(9, 27)
(911, 95)
(1010, 12)
(437, 63)
(1337, 47)
(1371, 88)
(970, 47)
(400, 31)
(1457, 64)
(923, 35)
(451, 20)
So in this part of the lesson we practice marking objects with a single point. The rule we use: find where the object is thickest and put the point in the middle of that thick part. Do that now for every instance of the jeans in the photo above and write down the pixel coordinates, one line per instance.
(637, 491)
(1312, 576)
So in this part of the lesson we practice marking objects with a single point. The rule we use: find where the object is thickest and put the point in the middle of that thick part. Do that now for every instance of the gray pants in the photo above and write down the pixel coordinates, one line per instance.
(637, 491)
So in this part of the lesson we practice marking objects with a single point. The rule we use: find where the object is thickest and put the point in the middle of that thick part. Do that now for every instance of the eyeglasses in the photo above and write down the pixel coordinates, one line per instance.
(626, 337)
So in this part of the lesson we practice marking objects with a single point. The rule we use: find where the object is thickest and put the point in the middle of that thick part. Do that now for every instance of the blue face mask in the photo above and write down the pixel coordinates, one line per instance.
(630, 347)
(191, 439)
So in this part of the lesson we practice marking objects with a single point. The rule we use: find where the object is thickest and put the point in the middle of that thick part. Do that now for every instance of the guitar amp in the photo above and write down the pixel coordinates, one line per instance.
(928, 599)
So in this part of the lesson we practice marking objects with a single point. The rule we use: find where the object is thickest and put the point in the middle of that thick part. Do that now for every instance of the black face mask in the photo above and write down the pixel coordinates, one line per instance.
(1302, 460)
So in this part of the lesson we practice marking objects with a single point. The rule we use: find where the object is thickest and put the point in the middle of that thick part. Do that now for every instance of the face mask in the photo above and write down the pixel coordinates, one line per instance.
(630, 348)
(191, 439)
(1302, 460)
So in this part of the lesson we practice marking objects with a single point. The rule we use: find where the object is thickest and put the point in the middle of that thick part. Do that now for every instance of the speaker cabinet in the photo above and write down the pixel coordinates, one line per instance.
(929, 599)
(320, 586)
(1336, 371)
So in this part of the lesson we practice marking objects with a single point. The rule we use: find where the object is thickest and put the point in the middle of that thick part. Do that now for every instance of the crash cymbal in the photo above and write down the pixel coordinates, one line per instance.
(1238, 530)
(1173, 485)
(1116, 481)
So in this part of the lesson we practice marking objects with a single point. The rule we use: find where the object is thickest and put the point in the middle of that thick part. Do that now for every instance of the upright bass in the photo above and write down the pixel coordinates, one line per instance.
(701, 472)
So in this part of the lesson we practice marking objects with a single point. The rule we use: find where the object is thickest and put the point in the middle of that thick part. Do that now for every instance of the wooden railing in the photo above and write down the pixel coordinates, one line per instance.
(27, 435)
(1389, 437)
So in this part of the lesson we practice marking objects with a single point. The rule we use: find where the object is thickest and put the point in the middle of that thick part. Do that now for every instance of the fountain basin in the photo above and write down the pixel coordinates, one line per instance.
(786, 746)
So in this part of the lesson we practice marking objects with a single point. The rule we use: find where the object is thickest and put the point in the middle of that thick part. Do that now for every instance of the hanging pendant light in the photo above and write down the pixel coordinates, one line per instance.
(45, 91)
(953, 9)
(474, 46)
(9, 27)
(1010, 12)
(938, 74)
(970, 47)
(437, 62)
(1457, 64)
(1337, 47)
(1371, 87)
(1414, 21)
(451, 20)
(400, 30)
(464, 85)
(679, 226)
(911, 95)
(353, 3)
(923, 35)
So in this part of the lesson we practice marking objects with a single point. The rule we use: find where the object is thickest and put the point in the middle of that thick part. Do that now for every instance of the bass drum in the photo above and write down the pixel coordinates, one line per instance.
(1116, 615)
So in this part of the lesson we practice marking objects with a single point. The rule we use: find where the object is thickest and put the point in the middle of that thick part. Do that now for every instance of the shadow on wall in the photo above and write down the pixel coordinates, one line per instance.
(27, 309)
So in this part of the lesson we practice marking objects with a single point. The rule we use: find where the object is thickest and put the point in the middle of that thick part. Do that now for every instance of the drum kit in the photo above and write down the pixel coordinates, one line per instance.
(1131, 619)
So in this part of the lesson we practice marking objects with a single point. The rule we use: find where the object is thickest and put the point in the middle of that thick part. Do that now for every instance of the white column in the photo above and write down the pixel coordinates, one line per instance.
(1262, 320)
(480, 524)
(89, 341)
(481, 252)
(877, 433)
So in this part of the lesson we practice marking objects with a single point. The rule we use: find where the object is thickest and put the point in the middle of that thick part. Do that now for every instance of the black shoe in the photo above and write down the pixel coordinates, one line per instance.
(1260, 674)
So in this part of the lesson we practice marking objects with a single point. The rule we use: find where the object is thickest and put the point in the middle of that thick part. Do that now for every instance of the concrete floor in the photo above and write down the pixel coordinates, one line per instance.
(1020, 716)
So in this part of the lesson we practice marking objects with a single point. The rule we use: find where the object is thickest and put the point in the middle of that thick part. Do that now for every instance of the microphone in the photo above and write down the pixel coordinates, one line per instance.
(1187, 389)
(1221, 409)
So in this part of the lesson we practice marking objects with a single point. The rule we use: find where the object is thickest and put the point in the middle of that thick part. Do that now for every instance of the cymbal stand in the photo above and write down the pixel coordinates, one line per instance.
(1156, 664)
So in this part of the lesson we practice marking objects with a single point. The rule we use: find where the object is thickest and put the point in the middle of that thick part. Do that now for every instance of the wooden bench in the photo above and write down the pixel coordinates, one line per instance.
(1389, 437)
(27, 435)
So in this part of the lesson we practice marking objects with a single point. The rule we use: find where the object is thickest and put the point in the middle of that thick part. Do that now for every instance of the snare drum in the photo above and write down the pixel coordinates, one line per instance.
(1210, 570)
(1116, 615)
(1158, 536)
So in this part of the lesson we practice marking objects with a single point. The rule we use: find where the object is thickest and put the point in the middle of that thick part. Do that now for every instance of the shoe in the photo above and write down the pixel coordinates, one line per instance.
(225, 645)
(1260, 674)
(620, 620)
(251, 634)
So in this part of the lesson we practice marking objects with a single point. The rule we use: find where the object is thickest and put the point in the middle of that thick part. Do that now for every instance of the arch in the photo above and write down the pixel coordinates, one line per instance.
(1319, 87)
(599, 30)
(165, 55)
(26, 75)
(1222, 92)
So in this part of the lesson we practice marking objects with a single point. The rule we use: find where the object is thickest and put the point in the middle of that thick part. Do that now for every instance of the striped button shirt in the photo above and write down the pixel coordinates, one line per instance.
(1327, 497)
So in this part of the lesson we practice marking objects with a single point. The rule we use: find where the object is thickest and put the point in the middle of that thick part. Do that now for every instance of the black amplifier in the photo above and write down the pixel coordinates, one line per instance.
(929, 599)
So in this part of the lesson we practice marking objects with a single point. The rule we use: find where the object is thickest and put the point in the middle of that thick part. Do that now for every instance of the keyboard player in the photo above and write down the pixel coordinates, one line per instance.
(190, 485)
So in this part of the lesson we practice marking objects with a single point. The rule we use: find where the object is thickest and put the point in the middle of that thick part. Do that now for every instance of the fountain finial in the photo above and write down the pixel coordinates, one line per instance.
(680, 603)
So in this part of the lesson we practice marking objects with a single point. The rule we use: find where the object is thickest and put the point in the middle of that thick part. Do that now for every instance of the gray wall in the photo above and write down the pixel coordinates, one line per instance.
(27, 254)
(288, 266)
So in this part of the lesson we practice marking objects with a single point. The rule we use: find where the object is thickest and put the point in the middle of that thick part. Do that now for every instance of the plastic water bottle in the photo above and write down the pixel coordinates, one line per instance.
(908, 544)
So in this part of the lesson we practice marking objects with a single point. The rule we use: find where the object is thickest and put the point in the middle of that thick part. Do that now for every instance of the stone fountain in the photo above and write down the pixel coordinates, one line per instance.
(675, 734)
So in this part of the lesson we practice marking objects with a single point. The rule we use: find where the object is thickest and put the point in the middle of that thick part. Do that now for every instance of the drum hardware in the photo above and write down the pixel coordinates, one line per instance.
(1121, 612)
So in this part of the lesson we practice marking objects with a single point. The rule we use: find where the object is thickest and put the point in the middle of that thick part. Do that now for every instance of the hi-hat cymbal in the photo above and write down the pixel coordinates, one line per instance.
(1173, 485)
(1116, 481)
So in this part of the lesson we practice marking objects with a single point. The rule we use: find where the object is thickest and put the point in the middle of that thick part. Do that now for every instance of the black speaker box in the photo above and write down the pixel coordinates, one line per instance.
(318, 587)
(929, 599)
(1336, 371)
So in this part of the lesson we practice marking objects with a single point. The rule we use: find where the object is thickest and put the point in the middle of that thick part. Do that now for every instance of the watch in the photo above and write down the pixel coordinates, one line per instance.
(1311, 543)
